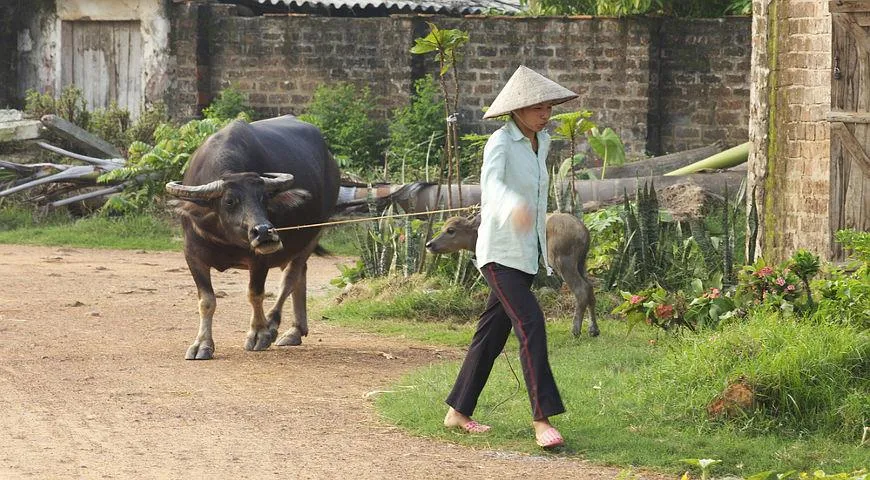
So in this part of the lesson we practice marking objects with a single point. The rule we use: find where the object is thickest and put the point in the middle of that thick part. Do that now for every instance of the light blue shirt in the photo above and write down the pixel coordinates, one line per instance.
(513, 174)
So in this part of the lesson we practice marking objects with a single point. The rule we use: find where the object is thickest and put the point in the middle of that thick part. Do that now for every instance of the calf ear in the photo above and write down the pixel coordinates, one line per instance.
(289, 199)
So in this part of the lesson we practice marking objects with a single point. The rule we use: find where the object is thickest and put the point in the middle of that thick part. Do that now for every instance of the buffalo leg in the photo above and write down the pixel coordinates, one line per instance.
(261, 334)
(203, 347)
(294, 282)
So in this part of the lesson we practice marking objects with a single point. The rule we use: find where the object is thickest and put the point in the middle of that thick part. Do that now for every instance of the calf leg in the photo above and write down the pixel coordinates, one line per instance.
(567, 266)
(261, 334)
(586, 297)
(202, 347)
(294, 282)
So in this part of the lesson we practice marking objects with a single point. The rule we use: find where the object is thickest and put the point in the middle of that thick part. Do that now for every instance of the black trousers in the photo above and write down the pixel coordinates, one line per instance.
(511, 303)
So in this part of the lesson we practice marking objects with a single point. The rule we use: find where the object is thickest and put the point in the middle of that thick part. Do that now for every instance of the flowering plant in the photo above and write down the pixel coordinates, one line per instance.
(655, 307)
(761, 283)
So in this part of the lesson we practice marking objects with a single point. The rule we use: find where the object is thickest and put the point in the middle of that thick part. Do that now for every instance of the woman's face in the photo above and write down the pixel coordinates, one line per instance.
(534, 118)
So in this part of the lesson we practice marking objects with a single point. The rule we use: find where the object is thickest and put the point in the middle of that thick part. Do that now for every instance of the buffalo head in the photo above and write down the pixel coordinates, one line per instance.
(234, 209)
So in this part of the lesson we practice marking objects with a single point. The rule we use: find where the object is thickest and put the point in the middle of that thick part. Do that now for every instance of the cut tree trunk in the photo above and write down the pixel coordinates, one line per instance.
(657, 165)
(729, 158)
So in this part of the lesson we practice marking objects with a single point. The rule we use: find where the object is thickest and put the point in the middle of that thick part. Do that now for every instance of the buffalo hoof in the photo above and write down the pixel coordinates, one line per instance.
(593, 330)
(289, 340)
(199, 352)
(260, 339)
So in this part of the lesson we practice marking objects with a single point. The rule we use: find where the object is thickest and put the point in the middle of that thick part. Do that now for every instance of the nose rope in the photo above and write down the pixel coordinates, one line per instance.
(367, 219)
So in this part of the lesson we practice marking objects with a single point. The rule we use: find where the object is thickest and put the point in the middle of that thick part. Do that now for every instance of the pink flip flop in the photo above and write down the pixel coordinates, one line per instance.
(474, 427)
(550, 438)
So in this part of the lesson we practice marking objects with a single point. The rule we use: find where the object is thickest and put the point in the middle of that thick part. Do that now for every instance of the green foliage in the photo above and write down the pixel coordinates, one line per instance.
(653, 252)
(71, 105)
(150, 167)
(417, 133)
(703, 306)
(345, 115)
(111, 124)
(776, 286)
(569, 127)
(620, 8)
(446, 43)
(229, 104)
(605, 229)
(151, 116)
(845, 290)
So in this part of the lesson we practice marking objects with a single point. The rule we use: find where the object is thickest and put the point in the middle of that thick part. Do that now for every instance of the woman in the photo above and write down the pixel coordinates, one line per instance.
(511, 237)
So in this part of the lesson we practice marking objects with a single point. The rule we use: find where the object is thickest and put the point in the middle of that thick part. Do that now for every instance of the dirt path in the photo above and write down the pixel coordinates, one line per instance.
(93, 383)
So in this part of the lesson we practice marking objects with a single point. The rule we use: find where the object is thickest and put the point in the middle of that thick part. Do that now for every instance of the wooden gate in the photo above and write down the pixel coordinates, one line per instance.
(850, 118)
(104, 60)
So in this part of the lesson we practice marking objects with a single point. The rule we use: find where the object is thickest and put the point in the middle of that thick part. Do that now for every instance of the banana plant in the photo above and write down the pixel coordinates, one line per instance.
(607, 144)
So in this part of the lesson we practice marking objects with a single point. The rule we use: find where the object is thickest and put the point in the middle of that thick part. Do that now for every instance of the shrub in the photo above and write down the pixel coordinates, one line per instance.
(345, 116)
(229, 104)
(417, 132)
(152, 166)
(71, 105)
(150, 117)
(111, 124)
(845, 290)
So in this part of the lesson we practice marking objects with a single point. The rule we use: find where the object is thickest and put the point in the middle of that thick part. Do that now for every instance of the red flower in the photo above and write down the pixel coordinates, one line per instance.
(780, 281)
(635, 299)
(764, 271)
(714, 293)
(664, 311)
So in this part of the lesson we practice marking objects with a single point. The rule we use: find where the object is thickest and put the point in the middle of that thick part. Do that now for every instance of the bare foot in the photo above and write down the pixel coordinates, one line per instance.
(454, 419)
(546, 435)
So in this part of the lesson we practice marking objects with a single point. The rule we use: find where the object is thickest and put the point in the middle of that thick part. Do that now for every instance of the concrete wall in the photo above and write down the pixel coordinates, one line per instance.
(789, 162)
(660, 84)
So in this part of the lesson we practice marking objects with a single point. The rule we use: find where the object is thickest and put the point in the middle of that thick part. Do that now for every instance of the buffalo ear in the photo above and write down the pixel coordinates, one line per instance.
(289, 199)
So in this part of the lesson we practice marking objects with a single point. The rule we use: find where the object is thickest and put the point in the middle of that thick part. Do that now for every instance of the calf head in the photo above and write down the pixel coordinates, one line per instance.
(234, 209)
(458, 233)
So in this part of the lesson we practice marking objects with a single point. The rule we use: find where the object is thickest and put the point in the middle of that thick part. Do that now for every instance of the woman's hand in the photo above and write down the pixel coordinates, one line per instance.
(521, 216)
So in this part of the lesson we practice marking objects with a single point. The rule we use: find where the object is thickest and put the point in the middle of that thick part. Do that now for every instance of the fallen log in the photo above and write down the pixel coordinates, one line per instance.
(89, 142)
(656, 165)
(85, 174)
(595, 194)
(419, 197)
(106, 164)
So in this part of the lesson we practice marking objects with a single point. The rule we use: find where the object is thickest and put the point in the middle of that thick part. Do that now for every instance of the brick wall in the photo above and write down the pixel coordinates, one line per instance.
(790, 161)
(703, 84)
(640, 77)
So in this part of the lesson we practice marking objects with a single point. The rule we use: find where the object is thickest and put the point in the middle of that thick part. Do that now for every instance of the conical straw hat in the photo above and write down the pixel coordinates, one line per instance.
(525, 88)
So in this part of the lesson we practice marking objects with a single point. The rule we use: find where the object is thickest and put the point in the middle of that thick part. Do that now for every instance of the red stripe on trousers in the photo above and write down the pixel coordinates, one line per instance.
(524, 339)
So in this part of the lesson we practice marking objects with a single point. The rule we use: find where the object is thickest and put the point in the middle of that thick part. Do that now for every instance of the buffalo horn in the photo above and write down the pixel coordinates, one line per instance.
(208, 191)
(277, 182)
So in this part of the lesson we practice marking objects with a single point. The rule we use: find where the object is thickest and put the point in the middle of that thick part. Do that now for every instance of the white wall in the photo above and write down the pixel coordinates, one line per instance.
(39, 43)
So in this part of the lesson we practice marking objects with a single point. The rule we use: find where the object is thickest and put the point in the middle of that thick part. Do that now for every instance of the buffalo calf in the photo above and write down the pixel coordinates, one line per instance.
(567, 247)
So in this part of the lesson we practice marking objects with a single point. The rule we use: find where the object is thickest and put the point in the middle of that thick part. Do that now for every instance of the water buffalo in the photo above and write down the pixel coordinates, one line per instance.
(241, 184)
(567, 246)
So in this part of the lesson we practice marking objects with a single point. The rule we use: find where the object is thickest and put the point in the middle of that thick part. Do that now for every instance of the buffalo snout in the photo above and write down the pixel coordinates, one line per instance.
(264, 239)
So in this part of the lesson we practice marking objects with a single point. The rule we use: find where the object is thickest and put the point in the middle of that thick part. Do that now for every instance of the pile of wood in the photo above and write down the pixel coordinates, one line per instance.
(75, 183)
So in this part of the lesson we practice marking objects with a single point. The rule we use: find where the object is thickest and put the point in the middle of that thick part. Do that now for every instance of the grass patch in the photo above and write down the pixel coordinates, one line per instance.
(145, 232)
(637, 397)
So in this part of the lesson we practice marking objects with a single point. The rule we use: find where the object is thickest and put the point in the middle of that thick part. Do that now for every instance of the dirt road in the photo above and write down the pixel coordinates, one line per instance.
(93, 383)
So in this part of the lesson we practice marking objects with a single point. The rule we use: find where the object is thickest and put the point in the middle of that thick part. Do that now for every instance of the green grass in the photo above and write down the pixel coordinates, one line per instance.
(637, 398)
(17, 226)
